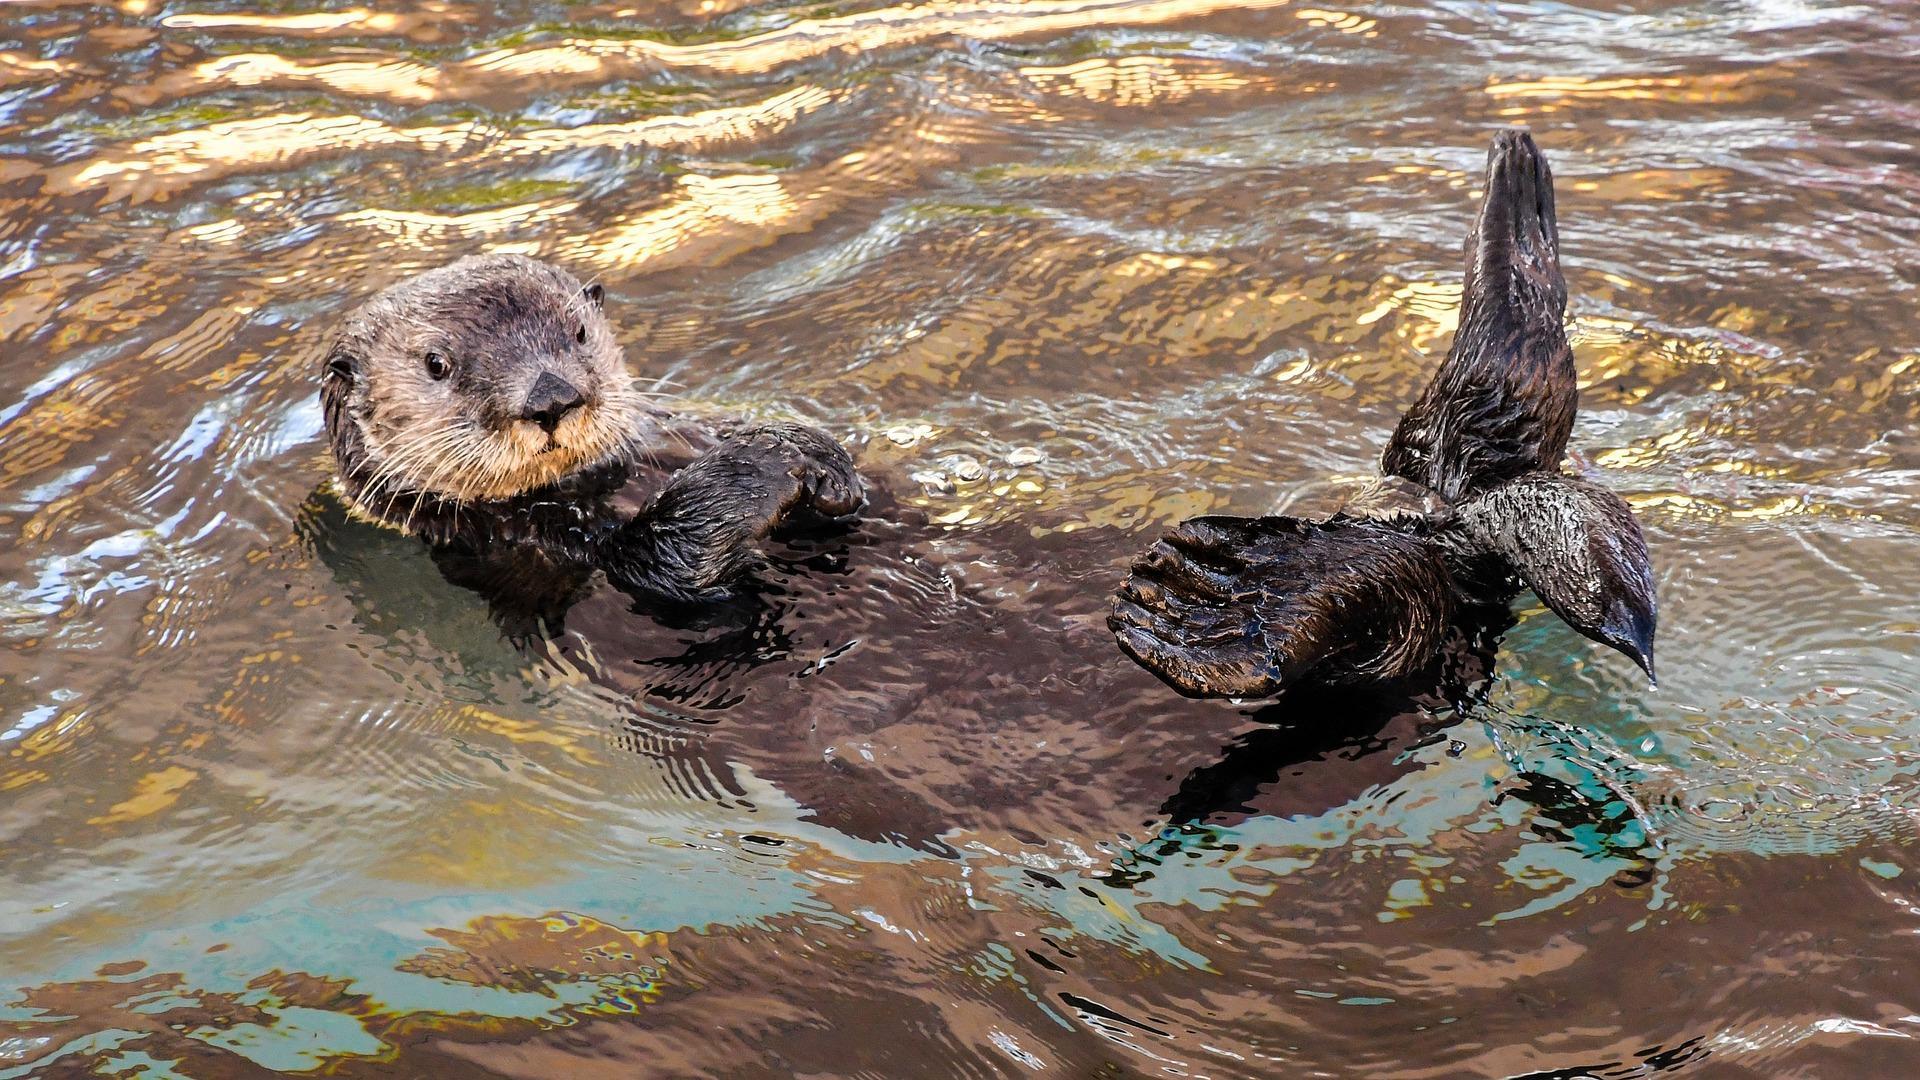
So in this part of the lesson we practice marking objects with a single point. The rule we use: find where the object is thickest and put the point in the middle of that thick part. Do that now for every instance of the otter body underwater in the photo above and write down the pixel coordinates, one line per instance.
(486, 407)
(1472, 500)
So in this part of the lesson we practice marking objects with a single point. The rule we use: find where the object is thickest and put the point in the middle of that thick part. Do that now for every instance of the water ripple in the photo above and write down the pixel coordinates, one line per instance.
(278, 795)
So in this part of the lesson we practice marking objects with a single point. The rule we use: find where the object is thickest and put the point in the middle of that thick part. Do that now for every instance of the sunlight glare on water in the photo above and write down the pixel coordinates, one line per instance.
(277, 796)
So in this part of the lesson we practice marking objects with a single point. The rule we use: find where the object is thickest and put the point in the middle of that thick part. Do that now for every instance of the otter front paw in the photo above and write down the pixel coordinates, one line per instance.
(811, 477)
(700, 533)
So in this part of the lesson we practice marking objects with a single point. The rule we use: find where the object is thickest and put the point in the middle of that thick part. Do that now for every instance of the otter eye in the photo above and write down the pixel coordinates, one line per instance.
(581, 337)
(438, 367)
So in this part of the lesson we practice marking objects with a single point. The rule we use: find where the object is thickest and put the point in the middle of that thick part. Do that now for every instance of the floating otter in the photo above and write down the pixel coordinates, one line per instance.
(486, 407)
(1472, 500)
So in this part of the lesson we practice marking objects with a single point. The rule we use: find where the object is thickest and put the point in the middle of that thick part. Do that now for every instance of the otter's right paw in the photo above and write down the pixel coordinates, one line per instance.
(811, 477)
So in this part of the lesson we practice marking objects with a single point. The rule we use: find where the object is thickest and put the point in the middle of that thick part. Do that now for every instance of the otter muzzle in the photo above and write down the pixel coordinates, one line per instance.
(550, 400)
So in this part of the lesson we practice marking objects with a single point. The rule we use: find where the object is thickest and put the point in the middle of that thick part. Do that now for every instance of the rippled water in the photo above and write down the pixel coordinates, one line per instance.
(276, 796)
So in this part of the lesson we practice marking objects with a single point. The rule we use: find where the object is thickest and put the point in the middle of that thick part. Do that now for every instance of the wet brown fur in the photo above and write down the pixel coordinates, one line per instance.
(1503, 402)
(468, 460)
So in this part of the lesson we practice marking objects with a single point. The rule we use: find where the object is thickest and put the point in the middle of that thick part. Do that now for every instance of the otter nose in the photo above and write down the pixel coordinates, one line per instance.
(550, 400)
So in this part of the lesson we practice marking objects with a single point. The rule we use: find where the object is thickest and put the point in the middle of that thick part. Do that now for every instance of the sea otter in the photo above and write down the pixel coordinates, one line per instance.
(1472, 501)
(486, 407)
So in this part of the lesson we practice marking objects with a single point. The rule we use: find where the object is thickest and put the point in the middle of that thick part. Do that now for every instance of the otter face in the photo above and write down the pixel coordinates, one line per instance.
(481, 380)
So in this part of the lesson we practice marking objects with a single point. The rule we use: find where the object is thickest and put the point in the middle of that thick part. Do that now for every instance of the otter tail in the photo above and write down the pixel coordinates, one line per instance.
(1245, 607)
(1503, 402)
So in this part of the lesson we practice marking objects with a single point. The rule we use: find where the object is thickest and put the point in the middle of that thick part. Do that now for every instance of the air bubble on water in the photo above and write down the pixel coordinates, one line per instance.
(933, 481)
(908, 434)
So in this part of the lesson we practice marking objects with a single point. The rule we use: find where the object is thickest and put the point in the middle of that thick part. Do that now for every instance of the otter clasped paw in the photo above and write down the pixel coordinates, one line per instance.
(811, 477)
(702, 532)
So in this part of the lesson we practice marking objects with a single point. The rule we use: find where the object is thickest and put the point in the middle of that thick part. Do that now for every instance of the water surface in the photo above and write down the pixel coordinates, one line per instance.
(277, 797)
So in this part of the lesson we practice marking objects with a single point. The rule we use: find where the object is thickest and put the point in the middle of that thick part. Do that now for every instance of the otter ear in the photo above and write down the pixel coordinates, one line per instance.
(596, 294)
(341, 365)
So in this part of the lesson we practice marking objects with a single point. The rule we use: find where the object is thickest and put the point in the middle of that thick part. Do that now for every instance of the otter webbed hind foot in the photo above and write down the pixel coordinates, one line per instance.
(1245, 607)
(1503, 402)
(1515, 242)
(1579, 548)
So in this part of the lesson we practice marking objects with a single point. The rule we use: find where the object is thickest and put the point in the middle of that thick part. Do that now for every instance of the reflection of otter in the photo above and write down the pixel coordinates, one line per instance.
(1238, 607)
(1311, 723)
(485, 406)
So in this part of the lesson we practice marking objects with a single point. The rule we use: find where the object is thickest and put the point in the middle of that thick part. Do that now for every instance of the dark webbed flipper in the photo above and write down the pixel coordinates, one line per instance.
(1578, 547)
(702, 531)
(1242, 607)
(1503, 402)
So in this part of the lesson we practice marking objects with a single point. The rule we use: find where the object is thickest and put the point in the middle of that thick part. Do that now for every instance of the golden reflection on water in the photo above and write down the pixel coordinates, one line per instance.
(398, 80)
(524, 953)
(423, 225)
(1345, 22)
(871, 31)
(1134, 81)
(19, 68)
(316, 23)
(1694, 89)
(152, 792)
(153, 168)
(582, 61)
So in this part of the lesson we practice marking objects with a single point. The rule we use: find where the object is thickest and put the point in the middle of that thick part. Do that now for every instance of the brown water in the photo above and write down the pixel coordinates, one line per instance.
(274, 796)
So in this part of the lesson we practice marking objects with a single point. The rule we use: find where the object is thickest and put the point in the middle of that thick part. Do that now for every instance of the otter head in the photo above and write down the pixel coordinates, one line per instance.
(481, 380)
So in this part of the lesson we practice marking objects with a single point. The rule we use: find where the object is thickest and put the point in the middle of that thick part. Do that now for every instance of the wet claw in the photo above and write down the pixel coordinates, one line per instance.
(1198, 672)
(1166, 563)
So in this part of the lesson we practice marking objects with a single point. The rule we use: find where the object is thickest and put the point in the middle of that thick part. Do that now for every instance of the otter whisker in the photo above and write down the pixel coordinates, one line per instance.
(412, 451)
(386, 474)
(404, 456)
(443, 464)
(454, 458)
